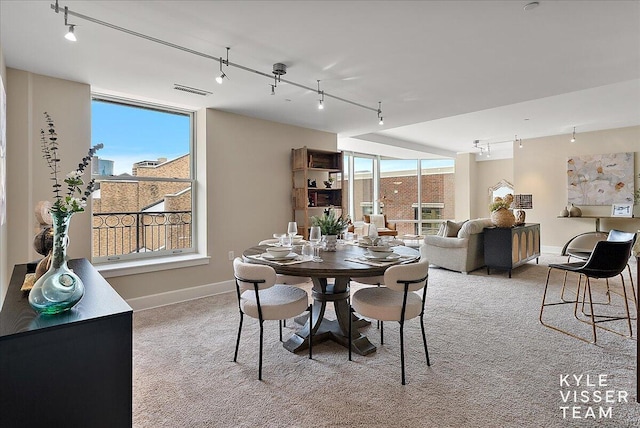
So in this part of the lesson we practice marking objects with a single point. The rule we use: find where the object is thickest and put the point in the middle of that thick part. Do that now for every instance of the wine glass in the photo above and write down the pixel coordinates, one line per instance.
(292, 229)
(315, 235)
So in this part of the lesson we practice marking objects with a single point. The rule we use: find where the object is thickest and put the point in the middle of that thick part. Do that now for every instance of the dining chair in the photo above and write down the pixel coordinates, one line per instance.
(396, 301)
(260, 297)
(286, 279)
(580, 247)
(378, 281)
(607, 260)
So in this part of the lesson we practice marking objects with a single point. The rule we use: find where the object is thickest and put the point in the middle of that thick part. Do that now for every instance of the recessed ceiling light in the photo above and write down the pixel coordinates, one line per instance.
(531, 5)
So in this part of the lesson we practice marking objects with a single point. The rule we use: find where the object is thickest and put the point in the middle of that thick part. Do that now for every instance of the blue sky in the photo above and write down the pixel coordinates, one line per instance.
(132, 134)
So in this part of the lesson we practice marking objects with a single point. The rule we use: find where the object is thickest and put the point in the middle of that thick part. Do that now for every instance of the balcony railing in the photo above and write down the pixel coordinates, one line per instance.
(119, 233)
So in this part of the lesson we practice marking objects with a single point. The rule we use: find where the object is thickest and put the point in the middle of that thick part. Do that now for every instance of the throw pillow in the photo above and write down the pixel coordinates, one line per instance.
(451, 229)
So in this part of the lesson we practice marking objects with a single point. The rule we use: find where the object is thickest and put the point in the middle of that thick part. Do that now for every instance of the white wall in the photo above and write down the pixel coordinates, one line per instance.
(540, 169)
(28, 177)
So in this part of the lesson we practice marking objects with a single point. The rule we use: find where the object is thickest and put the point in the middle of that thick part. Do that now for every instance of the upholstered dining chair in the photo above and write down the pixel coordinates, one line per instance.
(607, 260)
(396, 301)
(260, 297)
(286, 279)
(378, 281)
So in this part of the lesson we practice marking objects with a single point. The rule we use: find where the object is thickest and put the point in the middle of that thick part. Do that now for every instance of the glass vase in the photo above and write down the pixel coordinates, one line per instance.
(58, 289)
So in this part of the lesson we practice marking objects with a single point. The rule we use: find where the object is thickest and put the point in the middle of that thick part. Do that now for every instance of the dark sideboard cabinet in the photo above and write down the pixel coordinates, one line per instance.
(506, 248)
(72, 369)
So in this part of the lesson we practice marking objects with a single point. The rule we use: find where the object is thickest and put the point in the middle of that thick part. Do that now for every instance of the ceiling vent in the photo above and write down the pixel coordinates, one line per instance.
(191, 90)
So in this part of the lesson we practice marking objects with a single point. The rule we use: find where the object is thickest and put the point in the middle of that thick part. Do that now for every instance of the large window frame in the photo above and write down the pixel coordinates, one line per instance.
(164, 221)
(421, 224)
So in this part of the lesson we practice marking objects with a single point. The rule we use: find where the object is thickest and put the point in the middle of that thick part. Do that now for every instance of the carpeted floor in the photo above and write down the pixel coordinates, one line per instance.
(492, 365)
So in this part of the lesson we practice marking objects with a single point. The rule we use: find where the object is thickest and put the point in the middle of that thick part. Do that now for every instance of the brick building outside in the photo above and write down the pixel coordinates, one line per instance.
(130, 215)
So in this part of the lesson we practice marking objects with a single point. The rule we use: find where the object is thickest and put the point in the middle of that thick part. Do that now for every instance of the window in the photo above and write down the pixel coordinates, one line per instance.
(143, 204)
(403, 185)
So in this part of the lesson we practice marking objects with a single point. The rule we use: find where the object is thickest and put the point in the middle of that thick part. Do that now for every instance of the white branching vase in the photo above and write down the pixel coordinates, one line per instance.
(58, 289)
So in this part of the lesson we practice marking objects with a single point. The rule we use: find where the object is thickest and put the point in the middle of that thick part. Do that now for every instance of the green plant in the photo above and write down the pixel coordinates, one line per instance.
(330, 224)
(69, 203)
(499, 202)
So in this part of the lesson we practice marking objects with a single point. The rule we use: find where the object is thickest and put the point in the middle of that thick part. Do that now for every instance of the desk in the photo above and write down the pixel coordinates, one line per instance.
(335, 266)
(73, 369)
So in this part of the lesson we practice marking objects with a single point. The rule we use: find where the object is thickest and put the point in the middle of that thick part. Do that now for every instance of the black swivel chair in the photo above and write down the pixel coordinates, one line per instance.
(607, 260)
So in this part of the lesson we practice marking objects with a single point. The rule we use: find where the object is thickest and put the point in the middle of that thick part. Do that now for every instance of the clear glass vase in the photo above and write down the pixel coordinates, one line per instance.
(59, 289)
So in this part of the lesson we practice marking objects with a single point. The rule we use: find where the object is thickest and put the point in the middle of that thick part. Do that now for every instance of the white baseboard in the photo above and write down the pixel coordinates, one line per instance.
(551, 250)
(177, 296)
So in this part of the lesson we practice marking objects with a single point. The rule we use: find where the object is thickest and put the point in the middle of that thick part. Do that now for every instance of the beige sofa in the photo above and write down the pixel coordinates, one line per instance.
(459, 250)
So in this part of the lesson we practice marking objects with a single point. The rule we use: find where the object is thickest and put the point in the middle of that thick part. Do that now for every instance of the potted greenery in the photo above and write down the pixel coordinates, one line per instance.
(328, 182)
(330, 227)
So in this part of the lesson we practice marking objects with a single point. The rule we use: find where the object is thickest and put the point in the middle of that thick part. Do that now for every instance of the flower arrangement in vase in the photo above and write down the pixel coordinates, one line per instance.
(59, 288)
(501, 213)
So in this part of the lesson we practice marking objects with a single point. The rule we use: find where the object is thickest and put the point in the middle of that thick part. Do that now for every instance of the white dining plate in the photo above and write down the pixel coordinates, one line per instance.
(289, 256)
(393, 256)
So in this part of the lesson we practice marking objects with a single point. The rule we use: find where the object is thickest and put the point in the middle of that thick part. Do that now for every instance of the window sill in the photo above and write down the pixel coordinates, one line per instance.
(112, 270)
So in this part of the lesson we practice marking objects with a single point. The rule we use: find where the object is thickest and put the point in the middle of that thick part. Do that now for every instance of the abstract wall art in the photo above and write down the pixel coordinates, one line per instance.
(600, 179)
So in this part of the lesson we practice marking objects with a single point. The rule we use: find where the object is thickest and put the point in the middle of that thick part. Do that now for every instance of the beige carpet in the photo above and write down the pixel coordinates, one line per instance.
(492, 365)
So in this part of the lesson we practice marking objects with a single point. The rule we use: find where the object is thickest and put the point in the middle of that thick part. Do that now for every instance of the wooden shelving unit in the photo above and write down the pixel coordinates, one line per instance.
(309, 166)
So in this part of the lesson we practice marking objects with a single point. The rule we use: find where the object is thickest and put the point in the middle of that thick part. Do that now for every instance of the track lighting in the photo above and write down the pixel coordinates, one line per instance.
(488, 150)
(279, 69)
(71, 35)
(573, 137)
(321, 100)
(518, 141)
(220, 78)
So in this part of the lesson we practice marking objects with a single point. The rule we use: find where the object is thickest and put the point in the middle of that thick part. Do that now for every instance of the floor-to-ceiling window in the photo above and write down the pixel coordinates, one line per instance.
(415, 194)
(398, 191)
(363, 186)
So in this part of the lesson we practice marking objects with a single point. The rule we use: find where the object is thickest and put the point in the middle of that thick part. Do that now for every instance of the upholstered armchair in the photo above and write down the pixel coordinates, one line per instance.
(384, 227)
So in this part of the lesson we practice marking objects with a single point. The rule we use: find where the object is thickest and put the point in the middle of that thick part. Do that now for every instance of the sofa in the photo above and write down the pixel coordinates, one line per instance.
(458, 246)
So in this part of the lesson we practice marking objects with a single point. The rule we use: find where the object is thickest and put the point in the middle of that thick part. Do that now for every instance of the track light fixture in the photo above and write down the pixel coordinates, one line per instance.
(573, 137)
(321, 99)
(220, 78)
(71, 35)
(279, 69)
(518, 141)
(380, 118)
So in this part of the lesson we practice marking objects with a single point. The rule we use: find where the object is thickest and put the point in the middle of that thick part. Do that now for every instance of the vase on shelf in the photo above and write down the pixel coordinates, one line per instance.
(58, 289)
(575, 211)
(564, 212)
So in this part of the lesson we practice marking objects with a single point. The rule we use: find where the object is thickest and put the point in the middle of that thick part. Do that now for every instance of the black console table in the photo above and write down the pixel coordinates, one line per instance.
(72, 369)
(506, 248)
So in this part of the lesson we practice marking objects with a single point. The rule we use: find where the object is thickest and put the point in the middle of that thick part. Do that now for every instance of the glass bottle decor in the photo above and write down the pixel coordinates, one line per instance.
(59, 289)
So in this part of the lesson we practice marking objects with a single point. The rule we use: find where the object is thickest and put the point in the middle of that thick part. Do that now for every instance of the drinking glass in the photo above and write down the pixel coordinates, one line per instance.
(292, 229)
(315, 235)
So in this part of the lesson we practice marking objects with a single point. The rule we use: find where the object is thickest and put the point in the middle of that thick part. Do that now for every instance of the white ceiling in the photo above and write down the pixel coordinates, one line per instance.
(447, 72)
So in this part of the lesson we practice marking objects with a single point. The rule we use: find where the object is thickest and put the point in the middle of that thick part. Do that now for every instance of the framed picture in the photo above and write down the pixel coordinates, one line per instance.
(622, 210)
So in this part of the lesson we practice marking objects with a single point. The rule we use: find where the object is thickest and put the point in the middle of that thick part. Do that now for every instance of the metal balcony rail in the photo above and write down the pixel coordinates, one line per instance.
(119, 233)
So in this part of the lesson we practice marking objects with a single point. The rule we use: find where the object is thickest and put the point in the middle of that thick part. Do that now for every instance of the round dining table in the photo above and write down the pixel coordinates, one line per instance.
(331, 279)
